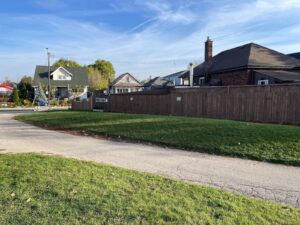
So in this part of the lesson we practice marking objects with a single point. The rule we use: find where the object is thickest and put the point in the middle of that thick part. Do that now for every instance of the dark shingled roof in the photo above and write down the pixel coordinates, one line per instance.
(295, 55)
(159, 82)
(249, 56)
(80, 77)
(286, 76)
(177, 74)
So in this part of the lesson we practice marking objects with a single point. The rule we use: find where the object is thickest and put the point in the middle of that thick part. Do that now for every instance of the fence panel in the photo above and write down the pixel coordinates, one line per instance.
(270, 104)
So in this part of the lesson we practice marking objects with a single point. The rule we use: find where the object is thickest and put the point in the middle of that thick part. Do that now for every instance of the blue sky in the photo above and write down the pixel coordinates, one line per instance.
(144, 37)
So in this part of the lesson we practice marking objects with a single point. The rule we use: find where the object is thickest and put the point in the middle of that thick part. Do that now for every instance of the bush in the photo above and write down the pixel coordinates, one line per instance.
(55, 102)
(15, 97)
(4, 99)
(63, 103)
(27, 102)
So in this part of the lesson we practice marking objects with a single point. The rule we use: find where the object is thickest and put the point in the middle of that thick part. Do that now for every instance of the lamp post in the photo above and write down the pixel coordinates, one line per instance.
(49, 87)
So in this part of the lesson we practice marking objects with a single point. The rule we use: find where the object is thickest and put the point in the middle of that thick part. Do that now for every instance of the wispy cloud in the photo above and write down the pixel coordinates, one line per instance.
(161, 37)
(166, 12)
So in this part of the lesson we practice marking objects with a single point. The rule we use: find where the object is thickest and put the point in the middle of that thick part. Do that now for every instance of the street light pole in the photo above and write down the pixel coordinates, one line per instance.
(49, 87)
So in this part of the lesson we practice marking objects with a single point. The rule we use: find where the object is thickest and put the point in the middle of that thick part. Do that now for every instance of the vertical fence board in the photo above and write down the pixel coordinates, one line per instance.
(270, 104)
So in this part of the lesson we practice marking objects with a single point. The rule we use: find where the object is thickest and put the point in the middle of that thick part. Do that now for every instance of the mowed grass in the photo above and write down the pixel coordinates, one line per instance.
(263, 142)
(39, 189)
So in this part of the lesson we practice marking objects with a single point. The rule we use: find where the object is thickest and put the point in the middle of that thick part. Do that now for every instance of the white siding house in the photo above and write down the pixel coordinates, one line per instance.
(125, 83)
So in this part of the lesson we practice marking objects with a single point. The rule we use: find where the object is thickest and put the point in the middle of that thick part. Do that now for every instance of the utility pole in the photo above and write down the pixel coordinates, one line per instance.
(49, 87)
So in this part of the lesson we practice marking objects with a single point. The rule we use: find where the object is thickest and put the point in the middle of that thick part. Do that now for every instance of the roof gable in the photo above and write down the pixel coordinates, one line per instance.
(79, 77)
(125, 79)
(62, 69)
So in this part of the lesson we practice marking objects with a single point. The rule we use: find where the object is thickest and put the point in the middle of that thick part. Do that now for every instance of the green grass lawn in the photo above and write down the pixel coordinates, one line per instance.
(264, 142)
(38, 189)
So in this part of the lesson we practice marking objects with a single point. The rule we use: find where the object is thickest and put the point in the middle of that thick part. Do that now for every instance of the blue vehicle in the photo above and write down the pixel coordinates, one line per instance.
(43, 103)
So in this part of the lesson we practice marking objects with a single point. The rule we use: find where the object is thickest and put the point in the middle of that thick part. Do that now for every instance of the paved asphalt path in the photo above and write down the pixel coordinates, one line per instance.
(268, 181)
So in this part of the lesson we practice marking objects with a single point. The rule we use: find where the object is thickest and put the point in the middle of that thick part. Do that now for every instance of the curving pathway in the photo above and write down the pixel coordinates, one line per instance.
(264, 180)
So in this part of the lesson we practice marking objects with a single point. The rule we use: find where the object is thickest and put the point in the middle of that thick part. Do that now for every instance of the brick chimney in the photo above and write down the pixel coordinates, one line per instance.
(208, 49)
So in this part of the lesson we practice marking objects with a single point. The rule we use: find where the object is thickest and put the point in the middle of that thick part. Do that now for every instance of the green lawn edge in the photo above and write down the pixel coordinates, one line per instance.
(41, 189)
(262, 142)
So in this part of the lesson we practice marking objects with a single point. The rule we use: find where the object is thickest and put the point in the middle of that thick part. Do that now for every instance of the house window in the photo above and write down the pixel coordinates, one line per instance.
(61, 77)
(186, 82)
(263, 82)
(201, 81)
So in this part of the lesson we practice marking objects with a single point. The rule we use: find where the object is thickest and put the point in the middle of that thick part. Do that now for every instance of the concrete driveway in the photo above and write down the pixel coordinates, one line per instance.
(263, 180)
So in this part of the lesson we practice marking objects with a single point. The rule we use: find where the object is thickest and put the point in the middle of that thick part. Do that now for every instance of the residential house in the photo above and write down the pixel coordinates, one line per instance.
(295, 55)
(5, 90)
(125, 83)
(65, 82)
(158, 83)
(244, 65)
(175, 77)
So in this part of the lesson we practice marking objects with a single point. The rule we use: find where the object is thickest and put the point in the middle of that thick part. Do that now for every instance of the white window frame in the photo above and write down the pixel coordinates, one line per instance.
(263, 82)
(201, 81)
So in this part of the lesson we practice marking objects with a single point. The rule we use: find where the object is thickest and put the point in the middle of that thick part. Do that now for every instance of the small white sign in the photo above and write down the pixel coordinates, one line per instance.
(101, 100)
(178, 99)
(131, 99)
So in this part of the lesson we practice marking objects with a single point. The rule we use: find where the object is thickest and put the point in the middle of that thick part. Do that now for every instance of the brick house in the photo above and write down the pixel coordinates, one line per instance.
(249, 64)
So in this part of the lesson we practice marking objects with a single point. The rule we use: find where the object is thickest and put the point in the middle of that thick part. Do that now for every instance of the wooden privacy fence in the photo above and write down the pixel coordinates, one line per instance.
(270, 104)
(86, 104)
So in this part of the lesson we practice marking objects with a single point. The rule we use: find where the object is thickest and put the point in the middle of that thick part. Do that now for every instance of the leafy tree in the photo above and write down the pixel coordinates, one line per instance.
(15, 96)
(94, 77)
(23, 91)
(103, 84)
(26, 80)
(25, 87)
(7, 82)
(66, 63)
(106, 70)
